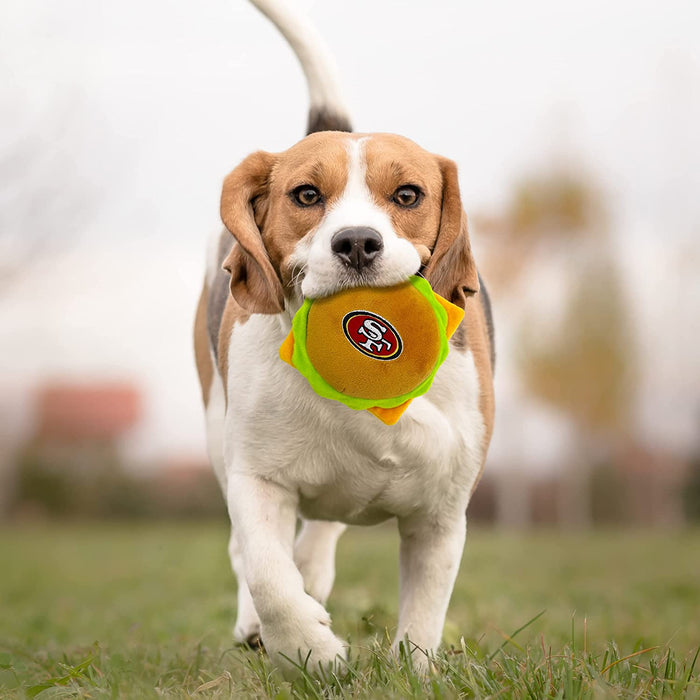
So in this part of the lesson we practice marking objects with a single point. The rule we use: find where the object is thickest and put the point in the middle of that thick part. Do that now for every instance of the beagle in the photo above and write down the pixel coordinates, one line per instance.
(334, 211)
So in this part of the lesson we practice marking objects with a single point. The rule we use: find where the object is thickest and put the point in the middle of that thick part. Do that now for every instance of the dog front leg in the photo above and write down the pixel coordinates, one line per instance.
(429, 560)
(294, 626)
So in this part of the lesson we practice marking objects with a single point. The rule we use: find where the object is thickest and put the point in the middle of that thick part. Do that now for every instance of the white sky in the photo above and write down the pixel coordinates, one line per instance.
(136, 111)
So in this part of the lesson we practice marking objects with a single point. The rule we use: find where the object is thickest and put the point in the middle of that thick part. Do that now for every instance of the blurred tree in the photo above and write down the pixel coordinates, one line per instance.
(585, 367)
(545, 213)
(582, 363)
(555, 205)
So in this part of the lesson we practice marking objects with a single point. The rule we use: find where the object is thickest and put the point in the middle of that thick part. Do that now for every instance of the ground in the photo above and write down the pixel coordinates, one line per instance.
(146, 610)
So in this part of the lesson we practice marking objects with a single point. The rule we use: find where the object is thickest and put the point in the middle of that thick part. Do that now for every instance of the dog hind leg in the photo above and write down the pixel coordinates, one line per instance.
(314, 555)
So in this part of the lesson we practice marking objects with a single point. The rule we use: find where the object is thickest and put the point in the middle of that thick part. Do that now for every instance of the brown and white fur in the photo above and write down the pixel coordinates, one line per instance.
(282, 453)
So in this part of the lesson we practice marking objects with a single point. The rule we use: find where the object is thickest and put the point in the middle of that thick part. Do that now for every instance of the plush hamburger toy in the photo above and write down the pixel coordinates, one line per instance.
(373, 348)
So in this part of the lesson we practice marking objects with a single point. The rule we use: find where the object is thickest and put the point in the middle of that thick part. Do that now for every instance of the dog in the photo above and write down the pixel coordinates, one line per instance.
(337, 210)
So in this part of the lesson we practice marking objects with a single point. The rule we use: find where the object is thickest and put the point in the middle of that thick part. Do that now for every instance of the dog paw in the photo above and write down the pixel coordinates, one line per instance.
(254, 642)
(247, 632)
(421, 660)
(304, 642)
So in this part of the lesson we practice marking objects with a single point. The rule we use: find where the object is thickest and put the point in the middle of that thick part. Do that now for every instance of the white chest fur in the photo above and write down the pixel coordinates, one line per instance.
(344, 464)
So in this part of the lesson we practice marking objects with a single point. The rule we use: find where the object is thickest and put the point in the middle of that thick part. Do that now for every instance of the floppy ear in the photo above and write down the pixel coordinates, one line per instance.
(254, 283)
(451, 269)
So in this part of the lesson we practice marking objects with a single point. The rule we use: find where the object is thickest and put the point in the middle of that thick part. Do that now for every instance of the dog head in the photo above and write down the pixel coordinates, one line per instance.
(342, 210)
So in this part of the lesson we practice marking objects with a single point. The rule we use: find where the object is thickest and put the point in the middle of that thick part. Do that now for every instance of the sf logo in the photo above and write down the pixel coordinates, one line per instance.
(372, 335)
(374, 332)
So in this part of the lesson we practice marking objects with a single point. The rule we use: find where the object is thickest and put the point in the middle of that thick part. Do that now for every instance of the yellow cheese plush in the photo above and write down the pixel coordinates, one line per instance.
(373, 348)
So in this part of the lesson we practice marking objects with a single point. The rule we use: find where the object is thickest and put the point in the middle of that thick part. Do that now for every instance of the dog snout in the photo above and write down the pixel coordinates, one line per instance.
(357, 247)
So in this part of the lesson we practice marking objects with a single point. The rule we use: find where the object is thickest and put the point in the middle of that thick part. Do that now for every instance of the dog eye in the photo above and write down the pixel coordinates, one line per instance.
(306, 195)
(407, 196)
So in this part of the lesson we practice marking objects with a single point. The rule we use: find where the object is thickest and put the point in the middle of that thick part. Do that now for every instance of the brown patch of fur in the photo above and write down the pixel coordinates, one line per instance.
(254, 281)
(202, 354)
(393, 161)
(476, 339)
(451, 270)
(438, 224)
(257, 192)
(320, 160)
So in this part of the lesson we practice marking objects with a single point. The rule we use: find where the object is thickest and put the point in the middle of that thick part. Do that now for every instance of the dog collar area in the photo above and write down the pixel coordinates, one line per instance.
(373, 348)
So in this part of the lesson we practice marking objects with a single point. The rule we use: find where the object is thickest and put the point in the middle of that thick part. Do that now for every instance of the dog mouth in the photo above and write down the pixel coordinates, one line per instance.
(368, 277)
(345, 279)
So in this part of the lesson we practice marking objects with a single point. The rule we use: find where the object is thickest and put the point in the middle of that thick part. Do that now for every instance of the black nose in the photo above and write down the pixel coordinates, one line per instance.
(357, 247)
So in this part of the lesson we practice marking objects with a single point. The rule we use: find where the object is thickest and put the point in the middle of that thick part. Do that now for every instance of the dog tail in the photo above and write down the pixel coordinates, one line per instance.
(327, 111)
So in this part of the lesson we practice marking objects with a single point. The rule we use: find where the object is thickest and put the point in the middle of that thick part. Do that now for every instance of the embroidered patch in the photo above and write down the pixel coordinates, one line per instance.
(372, 335)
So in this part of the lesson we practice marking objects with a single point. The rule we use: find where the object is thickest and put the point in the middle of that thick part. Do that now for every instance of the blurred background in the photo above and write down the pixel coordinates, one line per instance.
(576, 133)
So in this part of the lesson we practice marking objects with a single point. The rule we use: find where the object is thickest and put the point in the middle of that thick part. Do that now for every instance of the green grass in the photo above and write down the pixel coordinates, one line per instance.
(144, 610)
